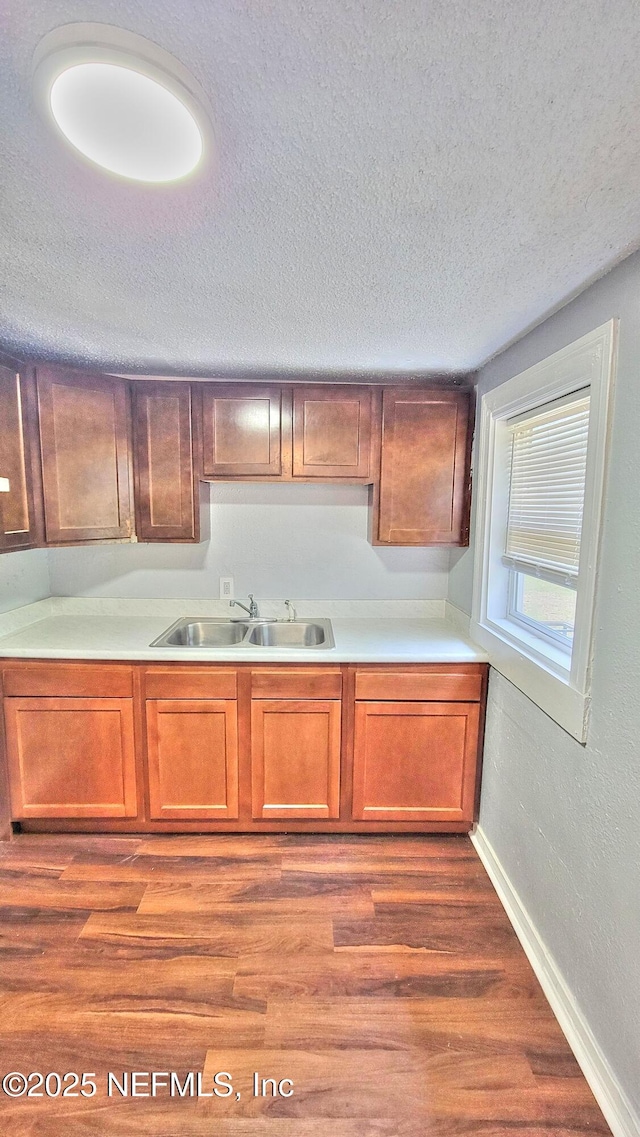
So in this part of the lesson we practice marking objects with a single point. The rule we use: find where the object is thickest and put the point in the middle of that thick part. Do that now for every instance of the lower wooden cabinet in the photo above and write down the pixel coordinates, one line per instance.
(295, 758)
(414, 761)
(216, 747)
(71, 758)
(192, 748)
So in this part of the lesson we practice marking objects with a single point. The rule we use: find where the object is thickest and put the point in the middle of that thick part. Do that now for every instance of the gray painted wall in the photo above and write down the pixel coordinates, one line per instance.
(565, 819)
(24, 578)
(308, 542)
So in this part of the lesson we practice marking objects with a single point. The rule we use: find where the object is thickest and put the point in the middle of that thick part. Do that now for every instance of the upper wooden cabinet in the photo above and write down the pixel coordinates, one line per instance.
(166, 502)
(18, 526)
(241, 430)
(84, 453)
(84, 445)
(306, 432)
(332, 432)
(424, 487)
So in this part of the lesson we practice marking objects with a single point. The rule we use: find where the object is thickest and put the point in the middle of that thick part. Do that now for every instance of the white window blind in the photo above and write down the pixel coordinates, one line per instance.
(546, 489)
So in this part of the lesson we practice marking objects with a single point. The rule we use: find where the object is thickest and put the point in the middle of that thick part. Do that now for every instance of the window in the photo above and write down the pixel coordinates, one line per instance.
(540, 488)
(548, 459)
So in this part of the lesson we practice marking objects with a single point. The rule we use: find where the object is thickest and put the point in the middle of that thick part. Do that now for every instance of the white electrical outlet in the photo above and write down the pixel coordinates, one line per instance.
(226, 588)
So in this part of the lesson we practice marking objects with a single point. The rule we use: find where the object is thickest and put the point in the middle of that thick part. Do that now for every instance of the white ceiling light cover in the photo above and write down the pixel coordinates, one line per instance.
(122, 102)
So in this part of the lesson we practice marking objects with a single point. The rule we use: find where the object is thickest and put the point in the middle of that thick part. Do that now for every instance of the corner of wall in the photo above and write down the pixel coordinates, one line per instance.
(24, 578)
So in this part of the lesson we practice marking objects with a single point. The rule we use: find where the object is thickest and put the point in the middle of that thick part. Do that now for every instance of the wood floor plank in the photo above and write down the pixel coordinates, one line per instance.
(172, 869)
(124, 1036)
(34, 891)
(228, 935)
(383, 975)
(25, 932)
(478, 931)
(383, 1083)
(168, 898)
(435, 1025)
(441, 891)
(225, 845)
(372, 866)
(102, 979)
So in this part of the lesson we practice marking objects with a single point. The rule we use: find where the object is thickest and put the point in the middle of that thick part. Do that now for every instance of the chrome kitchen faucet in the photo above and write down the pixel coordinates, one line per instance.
(252, 609)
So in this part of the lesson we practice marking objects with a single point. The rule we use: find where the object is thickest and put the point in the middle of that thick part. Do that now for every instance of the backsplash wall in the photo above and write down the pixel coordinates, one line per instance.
(24, 578)
(276, 540)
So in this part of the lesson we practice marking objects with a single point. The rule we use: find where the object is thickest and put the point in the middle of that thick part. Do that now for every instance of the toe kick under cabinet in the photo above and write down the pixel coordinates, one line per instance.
(152, 747)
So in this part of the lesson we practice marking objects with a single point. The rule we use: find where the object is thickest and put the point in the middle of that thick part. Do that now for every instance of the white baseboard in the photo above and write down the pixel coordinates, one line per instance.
(614, 1103)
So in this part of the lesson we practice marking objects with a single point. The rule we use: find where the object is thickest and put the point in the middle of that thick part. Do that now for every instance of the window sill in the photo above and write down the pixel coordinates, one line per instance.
(541, 681)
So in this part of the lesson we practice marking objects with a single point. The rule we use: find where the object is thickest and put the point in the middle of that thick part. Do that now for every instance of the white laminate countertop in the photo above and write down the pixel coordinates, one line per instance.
(127, 636)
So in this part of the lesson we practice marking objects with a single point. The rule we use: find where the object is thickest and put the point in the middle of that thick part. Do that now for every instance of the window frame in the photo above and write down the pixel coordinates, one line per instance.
(532, 662)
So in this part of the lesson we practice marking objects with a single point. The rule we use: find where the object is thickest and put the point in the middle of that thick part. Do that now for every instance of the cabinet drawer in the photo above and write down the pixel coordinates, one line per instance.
(79, 682)
(207, 683)
(446, 685)
(321, 683)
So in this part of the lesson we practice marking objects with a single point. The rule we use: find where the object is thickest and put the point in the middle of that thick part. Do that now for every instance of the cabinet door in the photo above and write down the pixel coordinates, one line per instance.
(415, 761)
(71, 757)
(295, 758)
(17, 513)
(193, 758)
(163, 462)
(84, 440)
(424, 481)
(241, 430)
(332, 432)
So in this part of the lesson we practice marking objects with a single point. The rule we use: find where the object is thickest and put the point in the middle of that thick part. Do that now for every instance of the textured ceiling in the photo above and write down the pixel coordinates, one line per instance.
(399, 186)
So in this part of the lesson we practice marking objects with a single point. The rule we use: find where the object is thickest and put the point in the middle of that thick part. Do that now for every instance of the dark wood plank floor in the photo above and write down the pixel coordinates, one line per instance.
(381, 975)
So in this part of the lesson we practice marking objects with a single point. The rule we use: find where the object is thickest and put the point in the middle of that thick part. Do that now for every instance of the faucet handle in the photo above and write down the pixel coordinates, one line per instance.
(291, 610)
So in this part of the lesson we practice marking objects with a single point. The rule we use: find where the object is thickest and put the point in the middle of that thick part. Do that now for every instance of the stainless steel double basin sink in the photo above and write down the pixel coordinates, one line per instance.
(217, 632)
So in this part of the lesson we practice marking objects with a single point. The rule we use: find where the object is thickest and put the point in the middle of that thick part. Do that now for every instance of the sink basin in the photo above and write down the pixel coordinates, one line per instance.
(294, 633)
(215, 632)
(203, 633)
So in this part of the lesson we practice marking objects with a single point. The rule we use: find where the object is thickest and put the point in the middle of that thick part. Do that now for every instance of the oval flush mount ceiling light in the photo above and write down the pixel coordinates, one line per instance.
(122, 102)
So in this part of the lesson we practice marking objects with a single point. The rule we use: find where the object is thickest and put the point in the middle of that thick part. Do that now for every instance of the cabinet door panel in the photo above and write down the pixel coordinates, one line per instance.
(163, 456)
(193, 758)
(332, 432)
(71, 757)
(295, 758)
(241, 430)
(415, 761)
(84, 440)
(423, 479)
(17, 514)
